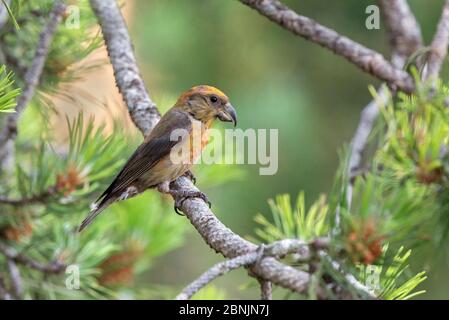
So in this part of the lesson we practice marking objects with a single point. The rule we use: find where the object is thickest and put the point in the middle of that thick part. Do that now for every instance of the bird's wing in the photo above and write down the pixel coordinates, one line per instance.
(157, 145)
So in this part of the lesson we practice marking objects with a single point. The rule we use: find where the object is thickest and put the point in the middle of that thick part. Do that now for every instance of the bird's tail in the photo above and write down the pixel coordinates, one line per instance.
(96, 209)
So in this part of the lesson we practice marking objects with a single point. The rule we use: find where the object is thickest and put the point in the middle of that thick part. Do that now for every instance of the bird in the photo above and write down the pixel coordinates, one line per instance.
(169, 150)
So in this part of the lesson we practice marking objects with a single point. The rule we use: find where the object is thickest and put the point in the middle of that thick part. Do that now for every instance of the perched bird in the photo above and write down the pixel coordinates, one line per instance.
(170, 150)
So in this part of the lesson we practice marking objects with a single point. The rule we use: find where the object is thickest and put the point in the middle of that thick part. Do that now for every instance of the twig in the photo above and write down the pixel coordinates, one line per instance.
(266, 290)
(359, 141)
(438, 48)
(31, 80)
(403, 30)
(4, 12)
(218, 270)
(16, 278)
(142, 109)
(356, 284)
(33, 199)
(4, 294)
(366, 59)
(405, 39)
(54, 267)
(143, 112)
(12, 62)
(276, 249)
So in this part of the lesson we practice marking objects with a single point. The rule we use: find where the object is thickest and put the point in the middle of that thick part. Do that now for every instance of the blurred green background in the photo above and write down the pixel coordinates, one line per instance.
(275, 80)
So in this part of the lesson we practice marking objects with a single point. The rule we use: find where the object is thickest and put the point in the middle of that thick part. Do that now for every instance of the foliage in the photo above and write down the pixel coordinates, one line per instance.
(400, 201)
(140, 229)
(8, 93)
(54, 181)
(293, 222)
(73, 41)
(384, 276)
(11, 14)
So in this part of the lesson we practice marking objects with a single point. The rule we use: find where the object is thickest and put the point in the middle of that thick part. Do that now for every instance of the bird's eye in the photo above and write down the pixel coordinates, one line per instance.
(213, 99)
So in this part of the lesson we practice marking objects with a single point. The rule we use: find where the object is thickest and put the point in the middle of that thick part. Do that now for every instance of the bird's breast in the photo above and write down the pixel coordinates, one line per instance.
(181, 158)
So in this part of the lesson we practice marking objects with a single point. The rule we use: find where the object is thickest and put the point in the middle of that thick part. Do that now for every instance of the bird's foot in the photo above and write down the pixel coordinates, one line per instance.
(181, 196)
(191, 176)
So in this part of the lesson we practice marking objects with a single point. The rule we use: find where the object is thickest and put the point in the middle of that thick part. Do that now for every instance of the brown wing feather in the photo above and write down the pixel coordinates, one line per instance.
(156, 146)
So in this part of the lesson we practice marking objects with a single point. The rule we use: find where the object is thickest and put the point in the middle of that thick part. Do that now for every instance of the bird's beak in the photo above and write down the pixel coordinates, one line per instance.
(228, 114)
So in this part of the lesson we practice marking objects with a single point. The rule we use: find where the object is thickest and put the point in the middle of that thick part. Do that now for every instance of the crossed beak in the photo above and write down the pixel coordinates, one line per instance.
(228, 114)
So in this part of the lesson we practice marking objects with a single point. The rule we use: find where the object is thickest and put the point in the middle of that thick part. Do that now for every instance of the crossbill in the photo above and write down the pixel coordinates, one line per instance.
(164, 156)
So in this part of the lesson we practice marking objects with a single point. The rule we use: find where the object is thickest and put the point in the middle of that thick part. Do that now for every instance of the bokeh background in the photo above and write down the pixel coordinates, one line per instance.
(275, 80)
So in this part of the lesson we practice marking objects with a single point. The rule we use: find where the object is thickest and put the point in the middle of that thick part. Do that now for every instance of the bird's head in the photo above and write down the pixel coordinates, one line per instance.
(206, 103)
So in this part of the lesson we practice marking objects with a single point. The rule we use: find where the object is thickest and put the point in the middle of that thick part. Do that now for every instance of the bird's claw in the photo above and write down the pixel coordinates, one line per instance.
(198, 194)
(177, 207)
(191, 176)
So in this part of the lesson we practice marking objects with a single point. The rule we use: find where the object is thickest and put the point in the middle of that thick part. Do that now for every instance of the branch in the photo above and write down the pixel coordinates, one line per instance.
(144, 114)
(218, 270)
(37, 198)
(4, 12)
(4, 294)
(405, 39)
(266, 290)
(360, 139)
(231, 245)
(16, 278)
(54, 267)
(403, 29)
(276, 249)
(31, 80)
(349, 277)
(142, 109)
(438, 48)
(366, 59)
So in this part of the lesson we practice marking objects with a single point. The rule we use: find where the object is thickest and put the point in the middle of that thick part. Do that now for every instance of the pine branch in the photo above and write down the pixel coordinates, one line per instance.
(276, 249)
(218, 270)
(4, 12)
(405, 39)
(360, 139)
(143, 112)
(366, 59)
(4, 293)
(403, 30)
(142, 109)
(31, 79)
(439, 45)
(356, 285)
(54, 267)
(266, 290)
(37, 198)
(16, 278)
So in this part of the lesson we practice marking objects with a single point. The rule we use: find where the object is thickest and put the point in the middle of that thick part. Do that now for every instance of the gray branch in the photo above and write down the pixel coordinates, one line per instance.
(276, 249)
(144, 114)
(30, 200)
(216, 271)
(350, 279)
(31, 80)
(4, 12)
(438, 48)
(231, 245)
(360, 139)
(366, 59)
(266, 290)
(403, 30)
(142, 109)
(405, 39)
(16, 278)
(4, 293)
(18, 258)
